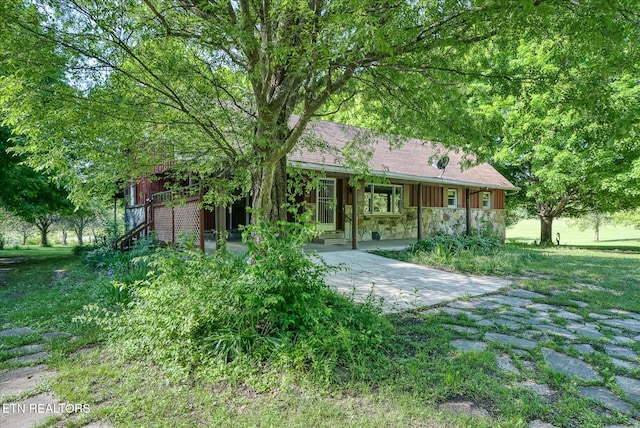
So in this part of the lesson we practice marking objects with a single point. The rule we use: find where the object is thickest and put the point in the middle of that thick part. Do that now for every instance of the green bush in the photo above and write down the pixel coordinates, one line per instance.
(269, 307)
(471, 254)
(121, 272)
(444, 243)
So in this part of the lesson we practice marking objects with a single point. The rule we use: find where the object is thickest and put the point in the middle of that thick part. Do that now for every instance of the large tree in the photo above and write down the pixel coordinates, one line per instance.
(571, 144)
(229, 88)
(27, 193)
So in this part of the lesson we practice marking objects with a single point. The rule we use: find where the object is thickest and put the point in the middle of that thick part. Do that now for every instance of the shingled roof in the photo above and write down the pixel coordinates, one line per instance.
(414, 160)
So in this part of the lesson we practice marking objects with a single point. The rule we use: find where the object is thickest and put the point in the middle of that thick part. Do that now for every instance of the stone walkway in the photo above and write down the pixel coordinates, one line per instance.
(519, 330)
(23, 403)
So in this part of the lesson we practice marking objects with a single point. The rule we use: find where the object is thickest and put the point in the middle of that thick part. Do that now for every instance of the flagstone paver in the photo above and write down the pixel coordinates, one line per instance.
(569, 366)
(586, 330)
(506, 323)
(27, 349)
(625, 365)
(625, 323)
(596, 316)
(16, 381)
(515, 318)
(485, 323)
(12, 332)
(583, 348)
(542, 307)
(569, 315)
(468, 345)
(607, 399)
(30, 357)
(503, 322)
(505, 339)
(622, 340)
(620, 351)
(509, 300)
(55, 335)
(557, 331)
(540, 389)
(462, 328)
(519, 312)
(506, 364)
(474, 304)
(630, 387)
(525, 294)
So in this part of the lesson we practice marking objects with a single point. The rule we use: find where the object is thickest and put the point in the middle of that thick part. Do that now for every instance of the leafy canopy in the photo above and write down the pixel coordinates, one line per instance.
(229, 88)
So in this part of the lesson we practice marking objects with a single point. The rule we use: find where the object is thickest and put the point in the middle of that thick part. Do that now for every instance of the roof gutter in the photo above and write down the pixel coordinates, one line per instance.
(434, 180)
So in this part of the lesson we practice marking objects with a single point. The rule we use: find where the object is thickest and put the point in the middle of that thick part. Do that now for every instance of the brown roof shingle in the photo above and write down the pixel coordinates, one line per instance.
(413, 160)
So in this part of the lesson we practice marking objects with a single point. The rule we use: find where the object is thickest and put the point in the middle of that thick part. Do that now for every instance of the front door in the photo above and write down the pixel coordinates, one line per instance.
(326, 203)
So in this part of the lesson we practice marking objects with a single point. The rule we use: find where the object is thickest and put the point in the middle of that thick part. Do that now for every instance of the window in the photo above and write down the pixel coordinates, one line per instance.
(382, 199)
(486, 200)
(452, 198)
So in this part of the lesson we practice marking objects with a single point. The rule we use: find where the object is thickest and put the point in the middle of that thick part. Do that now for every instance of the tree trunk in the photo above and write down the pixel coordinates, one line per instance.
(269, 185)
(597, 231)
(64, 235)
(80, 232)
(43, 236)
(546, 223)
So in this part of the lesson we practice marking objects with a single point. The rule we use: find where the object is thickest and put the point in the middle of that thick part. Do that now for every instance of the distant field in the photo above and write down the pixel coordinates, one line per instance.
(528, 231)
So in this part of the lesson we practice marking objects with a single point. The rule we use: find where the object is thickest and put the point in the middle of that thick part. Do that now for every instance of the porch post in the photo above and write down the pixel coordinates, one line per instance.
(221, 227)
(468, 209)
(419, 211)
(354, 217)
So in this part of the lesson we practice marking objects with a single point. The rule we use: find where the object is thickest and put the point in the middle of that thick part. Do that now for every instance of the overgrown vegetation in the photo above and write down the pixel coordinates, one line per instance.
(411, 373)
(186, 310)
(475, 254)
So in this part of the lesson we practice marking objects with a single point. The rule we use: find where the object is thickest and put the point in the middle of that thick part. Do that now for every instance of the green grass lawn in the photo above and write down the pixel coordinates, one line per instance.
(528, 231)
(419, 371)
(43, 289)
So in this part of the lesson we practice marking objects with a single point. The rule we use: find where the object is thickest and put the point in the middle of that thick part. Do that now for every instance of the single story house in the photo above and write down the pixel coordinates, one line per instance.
(413, 190)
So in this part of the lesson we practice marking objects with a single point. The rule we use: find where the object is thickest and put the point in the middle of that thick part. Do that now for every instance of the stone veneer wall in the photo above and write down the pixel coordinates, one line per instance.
(447, 220)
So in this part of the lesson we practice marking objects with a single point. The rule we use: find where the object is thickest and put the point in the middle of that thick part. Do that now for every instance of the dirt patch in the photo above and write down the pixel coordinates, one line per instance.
(466, 407)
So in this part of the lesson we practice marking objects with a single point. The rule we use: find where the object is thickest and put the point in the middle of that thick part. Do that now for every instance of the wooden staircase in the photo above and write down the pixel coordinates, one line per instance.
(127, 241)
(334, 237)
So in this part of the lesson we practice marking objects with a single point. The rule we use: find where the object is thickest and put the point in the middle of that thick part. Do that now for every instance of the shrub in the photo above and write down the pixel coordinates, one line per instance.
(122, 272)
(472, 254)
(270, 306)
(454, 243)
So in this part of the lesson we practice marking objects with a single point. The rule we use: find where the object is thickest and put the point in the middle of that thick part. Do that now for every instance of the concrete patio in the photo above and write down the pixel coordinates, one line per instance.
(401, 286)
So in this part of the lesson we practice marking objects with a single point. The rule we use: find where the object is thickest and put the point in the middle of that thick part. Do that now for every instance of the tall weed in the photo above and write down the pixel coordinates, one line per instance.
(268, 308)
